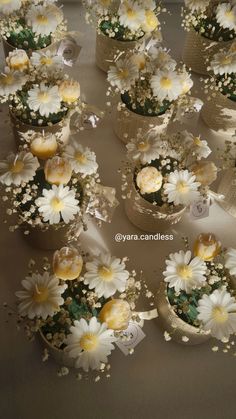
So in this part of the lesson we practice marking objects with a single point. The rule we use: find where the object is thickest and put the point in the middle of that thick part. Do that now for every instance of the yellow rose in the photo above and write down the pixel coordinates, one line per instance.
(58, 171)
(207, 247)
(44, 146)
(69, 91)
(205, 172)
(151, 22)
(116, 314)
(67, 264)
(18, 60)
(149, 180)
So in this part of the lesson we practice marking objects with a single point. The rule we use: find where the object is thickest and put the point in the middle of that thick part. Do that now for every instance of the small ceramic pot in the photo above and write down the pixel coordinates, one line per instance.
(227, 187)
(59, 355)
(175, 326)
(149, 217)
(7, 47)
(126, 124)
(198, 51)
(62, 129)
(107, 48)
(219, 113)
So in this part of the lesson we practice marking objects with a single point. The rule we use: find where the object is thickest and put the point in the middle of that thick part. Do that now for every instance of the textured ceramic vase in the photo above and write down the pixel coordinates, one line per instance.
(175, 326)
(60, 356)
(7, 47)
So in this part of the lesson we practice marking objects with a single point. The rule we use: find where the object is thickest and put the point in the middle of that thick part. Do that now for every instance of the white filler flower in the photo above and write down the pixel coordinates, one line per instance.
(41, 297)
(184, 273)
(18, 168)
(90, 343)
(58, 203)
(82, 159)
(42, 20)
(44, 99)
(181, 187)
(106, 274)
(217, 312)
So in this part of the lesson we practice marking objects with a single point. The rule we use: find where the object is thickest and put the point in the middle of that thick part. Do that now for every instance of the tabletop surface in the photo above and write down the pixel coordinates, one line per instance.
(161, 379)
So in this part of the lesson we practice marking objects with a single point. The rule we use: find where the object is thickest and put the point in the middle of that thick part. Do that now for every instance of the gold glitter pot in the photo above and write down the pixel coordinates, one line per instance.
(149, 217)
(176, 327)
(198, 51)
(219, 113)
(107, 48)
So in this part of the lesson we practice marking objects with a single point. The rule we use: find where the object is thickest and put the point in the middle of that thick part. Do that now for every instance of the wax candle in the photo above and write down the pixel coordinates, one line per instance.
(58, 171)
(207, 247)
(116, 314)
(67, 263)
(44, 146)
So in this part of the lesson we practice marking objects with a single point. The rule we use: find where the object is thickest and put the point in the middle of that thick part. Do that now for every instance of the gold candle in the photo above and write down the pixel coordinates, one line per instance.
(58, 171)
(44, 146)
(116, 314)
(67, 263)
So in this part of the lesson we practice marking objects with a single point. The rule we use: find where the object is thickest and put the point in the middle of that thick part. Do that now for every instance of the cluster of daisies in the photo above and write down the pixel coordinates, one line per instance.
(199, 287)
(223, 67)
(31, 24)
(149, 81)
(124, 20)
(55, 191)
(169, 170)
(83, 307)
(36, 89)
(213, 19)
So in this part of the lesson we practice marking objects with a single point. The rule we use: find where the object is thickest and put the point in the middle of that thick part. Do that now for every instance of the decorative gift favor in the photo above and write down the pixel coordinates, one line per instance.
(121, 26)
(165, 174)
(197, 300)
(219, 111)
(152, 89)
(30, 24)
(211, 25)
(82, 309)
(52, 203)
(41, 97)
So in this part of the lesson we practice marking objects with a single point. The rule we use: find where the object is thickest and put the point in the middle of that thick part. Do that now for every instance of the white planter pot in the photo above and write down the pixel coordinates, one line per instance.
(60, 356)
(9, 48)
(219, 113)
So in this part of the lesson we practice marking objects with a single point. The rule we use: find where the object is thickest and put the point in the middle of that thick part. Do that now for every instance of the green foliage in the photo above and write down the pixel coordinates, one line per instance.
(122, 33)
(26, 39)
(219, 32)
(148, 108)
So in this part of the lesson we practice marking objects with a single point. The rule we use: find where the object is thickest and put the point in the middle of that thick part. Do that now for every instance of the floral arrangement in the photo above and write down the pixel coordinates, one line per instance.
(149, 82)
(213, 19)
(223, 67)
(201, 287)
(37, 90)
(82, 308)
(59, 192)
(31, 24)
(168, 170)
(124, 20)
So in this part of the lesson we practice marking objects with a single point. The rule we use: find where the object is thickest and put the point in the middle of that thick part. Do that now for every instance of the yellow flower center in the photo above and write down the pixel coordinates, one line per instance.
(105, 273)
(42, 19)
(197, 141)
(7, 79)
(80, 157)
(230, 15)
(46, 61)
(44, 97)
(219, 314)
(56, 204)
(131, 13)
(143, 146)
(40, 294)
(182, 187)
(17, 166)
(88, 342)
(166, 83)
(123, 73)
(226, 60)
(185, 272)
(5, 1)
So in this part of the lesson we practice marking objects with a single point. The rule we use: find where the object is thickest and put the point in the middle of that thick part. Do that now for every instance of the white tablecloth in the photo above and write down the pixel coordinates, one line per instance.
(160, 380)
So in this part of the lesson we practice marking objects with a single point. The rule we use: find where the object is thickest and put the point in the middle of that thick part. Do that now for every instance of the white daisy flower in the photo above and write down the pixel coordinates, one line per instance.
(58, 203)
(45, 99)
(11, 81)
(163, 59)
(131, 14)
(47, 62)
(217, 312)
(230, 258)
(183, 272)
(224, 63)
(197, 5)
(18, 168)
(166, 85)
(181, 187)
(226, 16)
(186, 82)
(90, 343)
(41, 297)
(123, 74)
(9, 6)
(194, 143)
(106, 274)
(145, 148)
(82, 159)
(42, 20)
